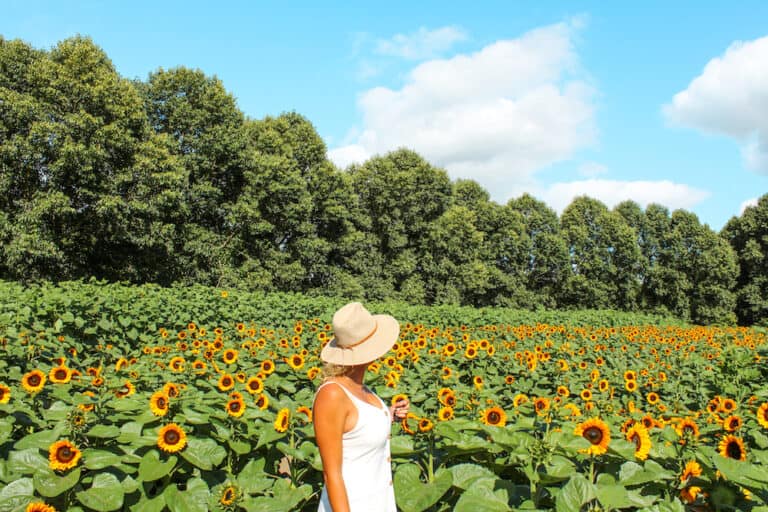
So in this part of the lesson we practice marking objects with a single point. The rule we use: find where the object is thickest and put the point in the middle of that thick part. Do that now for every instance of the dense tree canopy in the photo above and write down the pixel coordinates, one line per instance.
(167, 181)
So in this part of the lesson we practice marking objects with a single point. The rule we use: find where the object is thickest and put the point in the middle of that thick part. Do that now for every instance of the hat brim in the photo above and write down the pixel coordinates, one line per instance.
(387, 332)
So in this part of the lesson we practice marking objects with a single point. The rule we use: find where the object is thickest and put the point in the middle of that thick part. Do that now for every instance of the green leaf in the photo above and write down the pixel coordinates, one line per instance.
(5, 431)
(40, 440)
(401, 445)
(99, 459)
(415, 496)
(480, 498)
(464, 475)
(50, 485)
(203, 453)
(104, 431)
(104, 495)
(252, 479)
(574, 494)
(192, 499)
(152, 468)
(26, 462)
(16, 495)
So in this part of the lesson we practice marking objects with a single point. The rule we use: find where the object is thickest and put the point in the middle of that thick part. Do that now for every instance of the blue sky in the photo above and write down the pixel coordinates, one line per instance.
(658, 102)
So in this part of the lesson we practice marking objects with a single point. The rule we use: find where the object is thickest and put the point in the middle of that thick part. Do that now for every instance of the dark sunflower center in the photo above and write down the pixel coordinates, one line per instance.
(227, 382)
(173, 392)
(34, 380)
(284, 422)
(171, 437)
(594, 435)
(635, 438)
(260, 401)
(765, 414)
(733, 424)
(65, 454)
(494, 417)
(229, 494)
(60, 374)
(733, 450)
(234, 406)
(450, 400)
(161, 403)
(296, 361)
(688, 430)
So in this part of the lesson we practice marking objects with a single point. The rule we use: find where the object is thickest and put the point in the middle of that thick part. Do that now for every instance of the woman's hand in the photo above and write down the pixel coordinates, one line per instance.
(399, 410)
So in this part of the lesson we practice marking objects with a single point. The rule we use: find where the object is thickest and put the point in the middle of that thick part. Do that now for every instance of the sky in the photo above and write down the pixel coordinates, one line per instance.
(657, 102)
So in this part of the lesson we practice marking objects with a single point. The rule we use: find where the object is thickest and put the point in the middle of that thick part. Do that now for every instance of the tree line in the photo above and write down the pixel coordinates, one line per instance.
(167, 181)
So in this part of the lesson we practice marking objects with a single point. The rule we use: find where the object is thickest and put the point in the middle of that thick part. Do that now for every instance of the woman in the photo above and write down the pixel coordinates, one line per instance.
(352, 424)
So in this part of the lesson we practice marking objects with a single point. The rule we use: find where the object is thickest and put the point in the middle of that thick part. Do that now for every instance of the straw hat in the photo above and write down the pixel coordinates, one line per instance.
(359, 337)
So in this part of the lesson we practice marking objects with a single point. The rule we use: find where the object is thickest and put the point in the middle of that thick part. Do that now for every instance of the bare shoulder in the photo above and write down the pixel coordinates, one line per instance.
(330, 394)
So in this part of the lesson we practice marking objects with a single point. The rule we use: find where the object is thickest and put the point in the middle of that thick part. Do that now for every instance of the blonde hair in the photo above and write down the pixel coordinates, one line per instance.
(335, 370)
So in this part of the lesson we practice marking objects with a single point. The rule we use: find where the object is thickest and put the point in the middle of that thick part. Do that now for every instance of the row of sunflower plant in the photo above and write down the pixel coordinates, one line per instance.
(195, 417)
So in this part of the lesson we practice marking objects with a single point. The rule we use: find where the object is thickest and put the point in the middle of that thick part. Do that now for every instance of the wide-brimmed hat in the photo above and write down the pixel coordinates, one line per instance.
(359, 337)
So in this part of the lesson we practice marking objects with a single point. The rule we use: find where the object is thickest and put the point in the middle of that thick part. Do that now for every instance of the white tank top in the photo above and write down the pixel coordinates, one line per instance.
(366, 464)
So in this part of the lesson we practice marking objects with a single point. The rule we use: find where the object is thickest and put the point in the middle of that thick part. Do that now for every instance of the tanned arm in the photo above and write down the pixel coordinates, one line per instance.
(331, 410)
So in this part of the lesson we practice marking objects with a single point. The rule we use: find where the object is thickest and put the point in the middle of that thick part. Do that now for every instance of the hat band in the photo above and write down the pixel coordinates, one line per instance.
(362, 340)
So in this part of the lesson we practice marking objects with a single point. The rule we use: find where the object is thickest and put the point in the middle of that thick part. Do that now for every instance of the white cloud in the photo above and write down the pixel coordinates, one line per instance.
(592, 169)
(611, 192)
(422, 44)
(746, 204)
(496, 116)
(729, 97)
(350, 154)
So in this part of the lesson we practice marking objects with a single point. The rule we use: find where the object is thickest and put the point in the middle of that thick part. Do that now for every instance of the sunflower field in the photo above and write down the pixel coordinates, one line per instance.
(194, 399)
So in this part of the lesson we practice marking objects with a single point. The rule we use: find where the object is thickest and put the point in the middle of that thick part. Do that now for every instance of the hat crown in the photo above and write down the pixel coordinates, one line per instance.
(352, 324)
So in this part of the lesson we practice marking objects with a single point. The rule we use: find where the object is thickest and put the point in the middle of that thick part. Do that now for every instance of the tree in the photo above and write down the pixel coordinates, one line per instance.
(605, 259)
(748, 236)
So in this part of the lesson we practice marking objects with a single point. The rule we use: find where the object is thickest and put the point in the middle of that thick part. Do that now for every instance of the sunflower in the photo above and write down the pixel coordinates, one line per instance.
(171, 389)
(638, 434)
(60, 375)
(33, 381)
(732, 447)
(120, 364)
(732, 423)
(691, 469)
(63, 455)
(630, 385)
(5, 394)
(229, 496)
(494, 416)
(573, 409)
(630, 375)
(236, 395)
(267, 366)
(686, 428)
(446, 373)
(563, 391)
(303, 409)
(199, 367)
(652, 398)
(597, 433)
(158, 403)
(541, 405)
(127, 389)
(235, 407)
(229, 356)
(603, 385)
(254, 385)
(477, 380)
(519, 399)
(727, 405)
(586, 395)
(396, 398)
(39, 506)
(262, 401)
(296, 361)
(226, 382)
(509, 379)
(449, 349)
(171, 438)
(176, 364)
(762, 415)
(282, 420)
(405, 425)
(315, 371)
(445, 413)
(425, 425)
(689, 494)
(443, 394)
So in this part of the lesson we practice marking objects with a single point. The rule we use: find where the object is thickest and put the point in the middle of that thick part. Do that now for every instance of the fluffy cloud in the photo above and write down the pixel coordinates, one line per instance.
(609, 192)
(422, 44)
(497, 115)
(729, 97)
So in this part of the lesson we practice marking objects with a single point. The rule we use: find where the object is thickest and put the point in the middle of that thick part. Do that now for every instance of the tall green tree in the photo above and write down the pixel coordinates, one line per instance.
(547, 264)
(748, 235)
(402, 195)
(605, 259)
